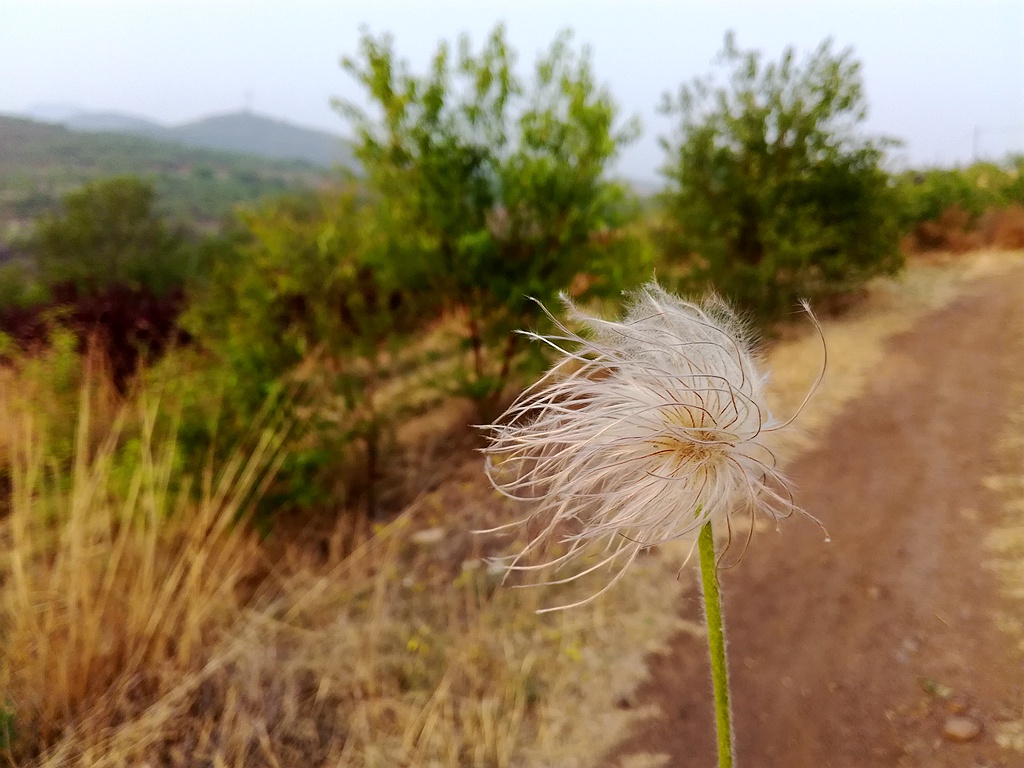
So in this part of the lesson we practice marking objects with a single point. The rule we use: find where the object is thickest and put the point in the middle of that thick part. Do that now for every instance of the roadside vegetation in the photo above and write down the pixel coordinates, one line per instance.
(237, 480)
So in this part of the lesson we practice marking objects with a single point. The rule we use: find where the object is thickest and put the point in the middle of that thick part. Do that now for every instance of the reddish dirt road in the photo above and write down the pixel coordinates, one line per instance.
(853, 654)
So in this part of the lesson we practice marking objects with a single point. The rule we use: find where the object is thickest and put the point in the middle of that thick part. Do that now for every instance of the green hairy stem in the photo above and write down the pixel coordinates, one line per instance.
(716, 644)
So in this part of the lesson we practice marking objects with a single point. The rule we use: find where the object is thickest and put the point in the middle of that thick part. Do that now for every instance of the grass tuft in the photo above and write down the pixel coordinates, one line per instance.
(118, 578)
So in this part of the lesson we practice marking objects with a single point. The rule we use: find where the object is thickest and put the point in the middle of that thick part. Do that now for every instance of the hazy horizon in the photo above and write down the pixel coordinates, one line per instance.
(946, 78)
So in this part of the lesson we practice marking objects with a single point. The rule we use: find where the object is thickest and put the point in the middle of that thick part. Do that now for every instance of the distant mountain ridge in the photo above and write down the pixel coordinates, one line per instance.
(112, 122)
(41, 161)
(244, 131)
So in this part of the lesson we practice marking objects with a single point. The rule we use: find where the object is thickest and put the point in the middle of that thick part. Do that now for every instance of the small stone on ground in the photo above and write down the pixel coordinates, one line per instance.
(960, 729)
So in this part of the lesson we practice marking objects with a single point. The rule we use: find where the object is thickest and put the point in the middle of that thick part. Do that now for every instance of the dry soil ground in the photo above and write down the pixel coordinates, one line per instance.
(856, 653)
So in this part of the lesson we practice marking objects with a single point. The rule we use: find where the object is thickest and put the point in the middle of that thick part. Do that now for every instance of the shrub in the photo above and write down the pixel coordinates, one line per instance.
(19, 286)
(106, 267)
(108, 233)
(772, 193)
(128, 324)
(315, 301)
(502, 187)
(958, 209)
(1005, 229)
(932, 193)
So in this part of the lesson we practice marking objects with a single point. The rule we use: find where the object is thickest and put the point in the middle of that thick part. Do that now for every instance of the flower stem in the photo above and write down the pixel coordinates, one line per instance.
(716, 644)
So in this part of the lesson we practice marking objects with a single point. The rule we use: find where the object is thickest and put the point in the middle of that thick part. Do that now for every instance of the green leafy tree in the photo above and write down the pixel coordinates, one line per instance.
(773, 194)
(501, 185)
(109, 233)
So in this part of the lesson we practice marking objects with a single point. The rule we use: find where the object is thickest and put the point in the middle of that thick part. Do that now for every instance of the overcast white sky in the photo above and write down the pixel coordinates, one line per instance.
(935, 72)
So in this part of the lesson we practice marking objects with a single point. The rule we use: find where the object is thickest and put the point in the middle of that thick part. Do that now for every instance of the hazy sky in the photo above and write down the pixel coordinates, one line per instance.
(940, 75)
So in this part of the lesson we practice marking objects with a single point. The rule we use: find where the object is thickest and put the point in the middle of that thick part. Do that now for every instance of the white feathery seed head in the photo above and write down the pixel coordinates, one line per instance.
(646, 429)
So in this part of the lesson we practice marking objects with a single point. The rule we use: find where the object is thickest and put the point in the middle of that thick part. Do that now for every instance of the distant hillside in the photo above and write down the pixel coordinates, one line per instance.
(112, 122)
(244, 132)
(39, 162)
(247, 132)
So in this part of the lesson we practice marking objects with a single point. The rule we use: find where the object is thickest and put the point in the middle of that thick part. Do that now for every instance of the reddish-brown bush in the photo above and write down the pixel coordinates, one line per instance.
(953, 232)
(129, 324)
(1008, 228)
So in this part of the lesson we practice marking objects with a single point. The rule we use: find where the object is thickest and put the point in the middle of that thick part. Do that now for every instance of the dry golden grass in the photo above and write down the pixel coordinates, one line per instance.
(145, 625)
(140, 625)
(405, 663)
(115, 581)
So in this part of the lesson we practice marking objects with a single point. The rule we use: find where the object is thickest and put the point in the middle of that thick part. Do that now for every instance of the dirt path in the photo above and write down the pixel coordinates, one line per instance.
(855, 653)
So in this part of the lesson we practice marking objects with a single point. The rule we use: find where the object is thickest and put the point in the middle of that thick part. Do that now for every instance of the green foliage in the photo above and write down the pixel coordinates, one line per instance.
(51, 382)
(19, 286)
(926, 195)
(1014, 188)
(40, 162)
(310, 305)
(500, 187)
(772, 194)
(108, 233)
